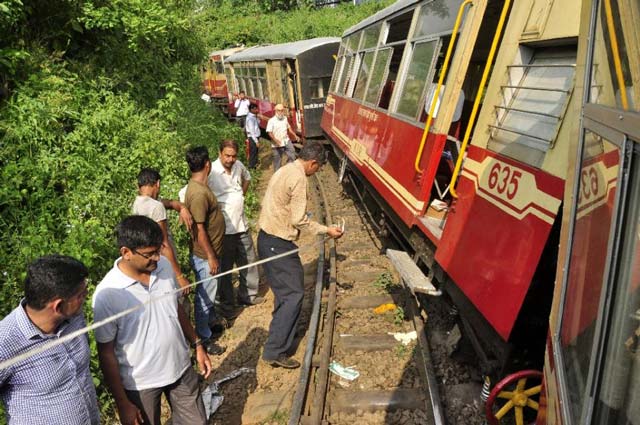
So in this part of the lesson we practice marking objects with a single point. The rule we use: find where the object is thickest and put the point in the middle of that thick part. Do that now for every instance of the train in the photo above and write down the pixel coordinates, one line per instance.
(497, 142)
(295, 74)
(215, 75)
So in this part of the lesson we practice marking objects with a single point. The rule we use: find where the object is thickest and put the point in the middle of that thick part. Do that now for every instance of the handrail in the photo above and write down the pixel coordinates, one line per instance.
(613, 39)
(443, 72)
(476, 103)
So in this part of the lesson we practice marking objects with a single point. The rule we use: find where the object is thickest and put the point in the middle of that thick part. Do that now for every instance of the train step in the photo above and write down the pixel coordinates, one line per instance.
(411, 275)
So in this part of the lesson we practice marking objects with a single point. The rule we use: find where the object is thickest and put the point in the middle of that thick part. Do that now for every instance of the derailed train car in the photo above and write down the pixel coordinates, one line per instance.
(295, 74)
(454, 120)
(215, 77)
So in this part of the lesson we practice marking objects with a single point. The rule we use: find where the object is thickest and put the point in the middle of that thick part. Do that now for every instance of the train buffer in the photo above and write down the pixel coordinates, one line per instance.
(411, 275)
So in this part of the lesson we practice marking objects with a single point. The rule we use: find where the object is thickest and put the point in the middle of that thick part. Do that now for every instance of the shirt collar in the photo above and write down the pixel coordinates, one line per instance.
(219, 168)
(26, 326)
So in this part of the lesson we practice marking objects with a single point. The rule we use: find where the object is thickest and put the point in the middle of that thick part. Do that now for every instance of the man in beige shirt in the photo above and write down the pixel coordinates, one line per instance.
(283, 216)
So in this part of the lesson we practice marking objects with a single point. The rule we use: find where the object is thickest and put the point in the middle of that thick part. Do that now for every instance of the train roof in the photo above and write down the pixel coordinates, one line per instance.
(226, 52)
(281, 51)
(384, 13)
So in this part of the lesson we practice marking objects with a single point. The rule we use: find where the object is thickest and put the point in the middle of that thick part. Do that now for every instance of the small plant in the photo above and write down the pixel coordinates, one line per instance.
(279, 417)
(398, 316)
(385, 282)
(401, 351)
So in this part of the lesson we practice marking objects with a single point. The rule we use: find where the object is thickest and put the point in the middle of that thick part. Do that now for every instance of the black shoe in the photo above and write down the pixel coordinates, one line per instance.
(285, 362)
(213, 348)
(255, 301)
(231, 314)
(217, 329)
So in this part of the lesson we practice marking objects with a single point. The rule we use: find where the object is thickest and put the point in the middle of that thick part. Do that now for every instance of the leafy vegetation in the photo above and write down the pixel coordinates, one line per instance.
(93, 90)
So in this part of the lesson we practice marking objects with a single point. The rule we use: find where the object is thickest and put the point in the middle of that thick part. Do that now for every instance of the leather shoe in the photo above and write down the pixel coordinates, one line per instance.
(285, 362)
(255, 301)
(214, 349)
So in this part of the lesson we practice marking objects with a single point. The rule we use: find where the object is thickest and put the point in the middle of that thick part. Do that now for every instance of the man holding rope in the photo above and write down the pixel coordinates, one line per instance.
(283, 216)
(144, 354)
(54, 387)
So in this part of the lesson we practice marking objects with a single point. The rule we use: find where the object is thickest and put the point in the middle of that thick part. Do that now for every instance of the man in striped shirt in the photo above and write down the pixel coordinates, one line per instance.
(53, 387)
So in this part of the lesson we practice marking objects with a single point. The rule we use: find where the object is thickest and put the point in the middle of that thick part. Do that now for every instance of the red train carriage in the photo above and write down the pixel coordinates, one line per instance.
(216, 74)
(295, 74)
(592, 369)
(411, 85)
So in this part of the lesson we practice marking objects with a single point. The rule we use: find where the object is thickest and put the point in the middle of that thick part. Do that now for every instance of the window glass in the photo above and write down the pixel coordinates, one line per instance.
(285, 85)
(316, 88)
(378, 75)
(399, 27)
(587, 263)
(370, 36)
(219, 68)
(619, 391)
(363, 76)
(345, 77)
(615, 75)
(352, 42)
(227, 74)
(437, 17)
(411, 101)
(531, 110)
(250, 90)
(336, 74)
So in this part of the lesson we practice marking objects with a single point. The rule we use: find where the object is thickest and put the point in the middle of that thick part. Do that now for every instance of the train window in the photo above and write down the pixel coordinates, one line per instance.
(619, 389)
(345, 76)
(363, 75)
(534, 100)
(318, 87)
(353, 41)
(227, 74)
(597, 188)
(615, 37)
(336, 73)
(284, 79)
(262, 83)
(370, 36)
(436, 17)
(420, 67)
(219, 68)
(399, 27)
(378, 75)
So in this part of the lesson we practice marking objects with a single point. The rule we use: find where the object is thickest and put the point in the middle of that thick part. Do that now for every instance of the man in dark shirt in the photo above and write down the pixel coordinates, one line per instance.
(206, 243)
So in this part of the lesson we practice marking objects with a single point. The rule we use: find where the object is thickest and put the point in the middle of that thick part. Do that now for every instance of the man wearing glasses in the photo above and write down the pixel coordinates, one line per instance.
(279, 129)
(144, 354)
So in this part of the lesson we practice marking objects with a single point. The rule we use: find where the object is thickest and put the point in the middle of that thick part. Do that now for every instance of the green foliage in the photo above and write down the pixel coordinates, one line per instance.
(234, 23)
(398, 316)
(385, 282)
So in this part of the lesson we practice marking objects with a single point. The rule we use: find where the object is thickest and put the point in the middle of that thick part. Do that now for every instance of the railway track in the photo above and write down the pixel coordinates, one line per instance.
(360, 309)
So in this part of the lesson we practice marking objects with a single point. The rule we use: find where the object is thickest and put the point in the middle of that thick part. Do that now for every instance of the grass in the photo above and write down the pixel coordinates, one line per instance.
(279, 417)
(385, 282)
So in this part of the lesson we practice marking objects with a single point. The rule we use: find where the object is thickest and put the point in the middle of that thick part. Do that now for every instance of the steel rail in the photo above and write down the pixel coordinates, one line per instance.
(322, 381)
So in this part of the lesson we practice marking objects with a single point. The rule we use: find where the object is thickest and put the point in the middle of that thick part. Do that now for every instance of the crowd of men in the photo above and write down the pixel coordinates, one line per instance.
(146, 351)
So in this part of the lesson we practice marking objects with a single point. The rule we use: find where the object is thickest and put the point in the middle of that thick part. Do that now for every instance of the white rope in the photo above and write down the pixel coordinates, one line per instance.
(27, 354)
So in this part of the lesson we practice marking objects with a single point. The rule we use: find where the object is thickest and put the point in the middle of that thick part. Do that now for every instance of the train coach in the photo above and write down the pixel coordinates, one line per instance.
(215, 77)
(295, 74)
(412, 83)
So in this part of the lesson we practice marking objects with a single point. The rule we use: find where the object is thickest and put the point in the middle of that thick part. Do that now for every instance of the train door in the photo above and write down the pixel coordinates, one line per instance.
(596, 341)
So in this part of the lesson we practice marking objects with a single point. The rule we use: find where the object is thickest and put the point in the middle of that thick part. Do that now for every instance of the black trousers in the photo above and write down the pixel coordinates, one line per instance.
(285, 276)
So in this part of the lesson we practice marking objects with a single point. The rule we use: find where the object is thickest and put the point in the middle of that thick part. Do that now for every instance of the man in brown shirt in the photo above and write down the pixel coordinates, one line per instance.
(206, 243)
(283, 216)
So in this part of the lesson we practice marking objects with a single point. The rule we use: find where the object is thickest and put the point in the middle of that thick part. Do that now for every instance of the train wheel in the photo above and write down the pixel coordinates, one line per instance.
(518, 397)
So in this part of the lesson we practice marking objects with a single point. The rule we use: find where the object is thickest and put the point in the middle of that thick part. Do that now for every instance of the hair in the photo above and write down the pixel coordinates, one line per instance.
(313, 151)
(52, 276)
(229, 144)
(138, 231)
(253, 106)
(197, 158)
(241, 92)
(148, 177)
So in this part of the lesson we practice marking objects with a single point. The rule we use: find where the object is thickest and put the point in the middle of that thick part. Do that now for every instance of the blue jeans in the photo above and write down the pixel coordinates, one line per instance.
(205, 297)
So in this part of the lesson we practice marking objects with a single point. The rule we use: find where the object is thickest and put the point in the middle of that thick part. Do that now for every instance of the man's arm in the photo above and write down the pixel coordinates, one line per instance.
(128, 412)
(274, 138)
(293, 133)
(185, 215)
(167, 251)
(202, 239)
(204, 363)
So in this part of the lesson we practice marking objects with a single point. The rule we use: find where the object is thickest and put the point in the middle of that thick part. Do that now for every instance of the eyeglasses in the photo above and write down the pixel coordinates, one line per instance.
(148, 255)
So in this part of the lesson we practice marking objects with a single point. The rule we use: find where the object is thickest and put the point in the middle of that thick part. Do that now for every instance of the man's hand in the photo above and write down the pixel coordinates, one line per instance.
(334, 232)
(184, 284)
(214, 266)
(204, 363)
(186, 218)
(129, 414)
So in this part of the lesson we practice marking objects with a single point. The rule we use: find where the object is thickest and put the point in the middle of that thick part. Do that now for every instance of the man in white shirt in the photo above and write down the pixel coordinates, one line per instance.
(144, 354)
(252, 128)
(229, 181)
(279, 129)
(242, 108)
